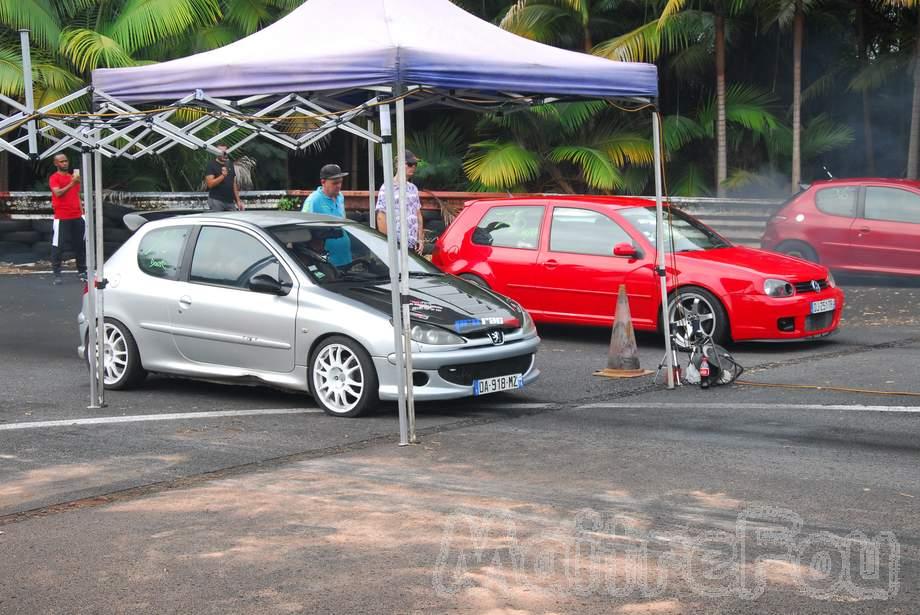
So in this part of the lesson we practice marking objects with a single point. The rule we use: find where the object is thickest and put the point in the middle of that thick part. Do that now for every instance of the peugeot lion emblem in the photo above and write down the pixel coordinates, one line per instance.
(497, 337)
(815, 285)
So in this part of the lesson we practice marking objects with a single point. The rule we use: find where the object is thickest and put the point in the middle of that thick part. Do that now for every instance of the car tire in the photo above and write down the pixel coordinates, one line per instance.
(474, 279)
(798, 249)
(342, 377)
(702, 301)
(119, 344)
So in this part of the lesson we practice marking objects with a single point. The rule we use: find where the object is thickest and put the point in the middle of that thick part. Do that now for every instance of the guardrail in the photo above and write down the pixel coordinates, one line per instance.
(741, 221)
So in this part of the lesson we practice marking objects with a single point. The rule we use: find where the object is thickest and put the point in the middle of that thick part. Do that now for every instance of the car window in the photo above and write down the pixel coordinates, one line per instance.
(840, 201)
(582, 231)
(892, 204)
(682, 233)
(510, 227)
(227, 257)
(160, 251)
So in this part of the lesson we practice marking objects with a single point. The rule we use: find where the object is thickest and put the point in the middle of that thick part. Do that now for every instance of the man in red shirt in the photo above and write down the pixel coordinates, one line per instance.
(69, 227)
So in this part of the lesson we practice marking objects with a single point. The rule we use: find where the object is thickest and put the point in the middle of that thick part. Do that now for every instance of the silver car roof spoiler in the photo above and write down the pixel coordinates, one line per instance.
(137, 219)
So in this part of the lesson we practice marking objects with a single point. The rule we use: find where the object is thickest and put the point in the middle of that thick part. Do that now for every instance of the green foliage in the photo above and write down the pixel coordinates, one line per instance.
(290, 203)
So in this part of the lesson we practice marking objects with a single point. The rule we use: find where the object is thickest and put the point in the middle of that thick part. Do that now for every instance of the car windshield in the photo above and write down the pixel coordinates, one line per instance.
(684, 234)
(332, 253)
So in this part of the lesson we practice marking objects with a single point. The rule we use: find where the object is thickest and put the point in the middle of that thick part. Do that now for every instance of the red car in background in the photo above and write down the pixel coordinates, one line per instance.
(852, 225)
(564, 258)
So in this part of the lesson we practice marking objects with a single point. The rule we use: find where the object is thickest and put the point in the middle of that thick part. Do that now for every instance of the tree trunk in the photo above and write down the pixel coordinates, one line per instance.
(799, 28)
(912, 150)
(589, 41)
(721, 134)
(866, 99)
(4, 172)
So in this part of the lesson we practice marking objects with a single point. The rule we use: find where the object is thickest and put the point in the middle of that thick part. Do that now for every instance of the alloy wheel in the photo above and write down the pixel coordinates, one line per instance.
(338, 378)
(685, 306)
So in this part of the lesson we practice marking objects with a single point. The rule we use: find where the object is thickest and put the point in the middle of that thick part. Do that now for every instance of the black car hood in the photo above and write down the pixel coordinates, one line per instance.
(445, 301)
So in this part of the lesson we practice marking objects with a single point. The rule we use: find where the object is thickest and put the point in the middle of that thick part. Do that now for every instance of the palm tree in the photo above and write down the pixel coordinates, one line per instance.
(568, 147)
(913, 148)
(568, 23)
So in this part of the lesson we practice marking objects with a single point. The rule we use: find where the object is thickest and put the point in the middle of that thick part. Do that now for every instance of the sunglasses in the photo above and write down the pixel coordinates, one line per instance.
(411, 164)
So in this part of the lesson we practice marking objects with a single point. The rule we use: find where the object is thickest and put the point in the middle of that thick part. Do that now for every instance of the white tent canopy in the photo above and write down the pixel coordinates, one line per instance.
(344, 44)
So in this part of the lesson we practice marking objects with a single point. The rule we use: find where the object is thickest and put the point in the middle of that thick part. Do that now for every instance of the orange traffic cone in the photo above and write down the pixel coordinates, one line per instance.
(623, 358)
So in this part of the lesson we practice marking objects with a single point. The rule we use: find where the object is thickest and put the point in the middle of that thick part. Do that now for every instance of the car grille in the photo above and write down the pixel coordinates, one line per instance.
(465, 374)
(806, 287)
(816, 322)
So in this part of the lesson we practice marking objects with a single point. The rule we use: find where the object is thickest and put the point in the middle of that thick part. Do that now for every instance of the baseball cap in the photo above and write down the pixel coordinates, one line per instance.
(331, 171)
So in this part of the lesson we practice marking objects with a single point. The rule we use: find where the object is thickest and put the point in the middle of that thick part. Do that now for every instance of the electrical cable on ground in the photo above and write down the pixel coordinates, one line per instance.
(816, 387)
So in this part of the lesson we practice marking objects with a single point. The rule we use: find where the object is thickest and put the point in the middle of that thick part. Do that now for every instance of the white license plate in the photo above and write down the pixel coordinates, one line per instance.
(497, 384)
(825, 305)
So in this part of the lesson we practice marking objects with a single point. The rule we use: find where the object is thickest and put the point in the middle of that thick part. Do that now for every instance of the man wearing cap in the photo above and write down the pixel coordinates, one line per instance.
(328, 199)
(414, 221)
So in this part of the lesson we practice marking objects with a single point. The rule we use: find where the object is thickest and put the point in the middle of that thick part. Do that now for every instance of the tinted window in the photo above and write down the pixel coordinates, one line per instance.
(582, 231)
(510, 227)
(838, 201)
(227, 257)
(892, 204)
(312, 247)
(160, 252)
(681, 232)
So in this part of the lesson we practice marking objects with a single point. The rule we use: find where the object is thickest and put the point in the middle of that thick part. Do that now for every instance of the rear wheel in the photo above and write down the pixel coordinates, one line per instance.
(693, 302)
(342, 377)
(798, 249)
(121, 361)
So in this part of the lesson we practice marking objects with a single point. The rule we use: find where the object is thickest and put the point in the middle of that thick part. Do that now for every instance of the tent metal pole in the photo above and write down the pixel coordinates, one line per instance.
(99, 283)
(94, 342)
(29, 89)
(404, 258)
(660, 245)
(387, 152)
(371, 179)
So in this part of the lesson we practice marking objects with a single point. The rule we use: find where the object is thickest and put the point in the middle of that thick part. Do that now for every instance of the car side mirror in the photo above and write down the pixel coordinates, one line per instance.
(264, 283)
(626, 249)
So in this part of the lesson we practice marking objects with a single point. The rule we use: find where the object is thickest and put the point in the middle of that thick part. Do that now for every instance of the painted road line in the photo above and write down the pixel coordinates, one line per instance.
(749, 406)
(139, 418)
(513, 406)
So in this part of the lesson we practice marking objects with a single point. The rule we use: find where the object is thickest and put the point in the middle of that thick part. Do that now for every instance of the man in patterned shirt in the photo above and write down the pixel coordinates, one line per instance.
(414, 222)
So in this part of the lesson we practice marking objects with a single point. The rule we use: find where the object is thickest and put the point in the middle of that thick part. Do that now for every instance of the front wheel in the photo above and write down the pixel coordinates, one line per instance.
(342, 377)
(798, 249)
(689, 303)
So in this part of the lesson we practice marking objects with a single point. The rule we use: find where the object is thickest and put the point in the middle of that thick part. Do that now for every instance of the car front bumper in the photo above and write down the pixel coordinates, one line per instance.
(435, 369)
(758, 317)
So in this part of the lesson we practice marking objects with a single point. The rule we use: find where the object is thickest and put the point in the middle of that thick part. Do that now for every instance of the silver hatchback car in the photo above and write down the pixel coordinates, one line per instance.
(301, 302)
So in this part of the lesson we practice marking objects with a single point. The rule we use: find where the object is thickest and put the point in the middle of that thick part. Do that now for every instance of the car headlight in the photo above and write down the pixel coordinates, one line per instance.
(528, 327)
(831, 282)
(778, 288)
(436, 336)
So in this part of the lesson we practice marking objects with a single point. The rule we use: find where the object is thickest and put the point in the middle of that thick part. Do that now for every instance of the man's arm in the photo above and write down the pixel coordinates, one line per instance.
(382, 222)
(59, 192)
(236, 195)
(214, 180)
(420, 240)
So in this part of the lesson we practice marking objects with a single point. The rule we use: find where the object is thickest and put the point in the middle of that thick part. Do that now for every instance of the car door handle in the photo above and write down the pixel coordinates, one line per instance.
(551, 264)
(865, 229)
(185, 302)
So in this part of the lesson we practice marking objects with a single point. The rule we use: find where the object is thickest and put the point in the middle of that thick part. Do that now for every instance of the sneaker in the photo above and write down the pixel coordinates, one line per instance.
(83, 278)
(58, 280)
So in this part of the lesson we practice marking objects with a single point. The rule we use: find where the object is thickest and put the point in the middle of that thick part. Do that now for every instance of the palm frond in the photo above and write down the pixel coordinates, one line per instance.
(692, 182)
(88, 49)
(538, 22)
(141, 23)
(679, 130)
(746, 106)
(596, 168)
(247, 15)
(876, 74)
(624, 148)
(36, 15)
(500, 165)
(822, 135)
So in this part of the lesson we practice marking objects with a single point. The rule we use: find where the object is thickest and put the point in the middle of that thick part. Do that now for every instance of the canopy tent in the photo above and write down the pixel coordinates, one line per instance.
(316, 70)
(344, 44)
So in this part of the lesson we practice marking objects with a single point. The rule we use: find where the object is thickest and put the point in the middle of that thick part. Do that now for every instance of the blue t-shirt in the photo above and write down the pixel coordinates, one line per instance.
(339, 249)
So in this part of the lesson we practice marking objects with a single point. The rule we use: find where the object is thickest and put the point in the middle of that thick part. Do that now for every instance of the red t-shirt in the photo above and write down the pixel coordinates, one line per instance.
(66, 207)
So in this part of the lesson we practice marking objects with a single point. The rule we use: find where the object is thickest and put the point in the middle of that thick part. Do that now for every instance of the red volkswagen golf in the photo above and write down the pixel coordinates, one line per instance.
(563, 259)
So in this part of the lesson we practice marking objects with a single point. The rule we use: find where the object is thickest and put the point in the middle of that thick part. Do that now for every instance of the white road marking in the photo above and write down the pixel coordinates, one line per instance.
(137, 418)
(521, 406)
(749, 406)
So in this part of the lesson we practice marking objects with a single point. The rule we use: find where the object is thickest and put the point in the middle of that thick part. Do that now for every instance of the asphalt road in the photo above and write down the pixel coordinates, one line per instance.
(282, 512)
